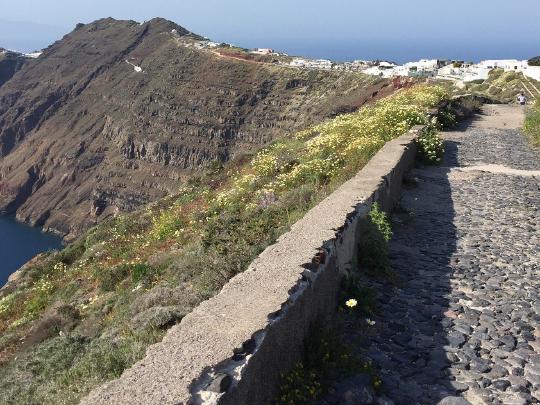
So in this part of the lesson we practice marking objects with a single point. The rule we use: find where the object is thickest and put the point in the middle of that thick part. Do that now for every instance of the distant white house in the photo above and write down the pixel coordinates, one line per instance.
(387, 65)
(311, 64)
(33, 55)
(506, 64)
(263, 51)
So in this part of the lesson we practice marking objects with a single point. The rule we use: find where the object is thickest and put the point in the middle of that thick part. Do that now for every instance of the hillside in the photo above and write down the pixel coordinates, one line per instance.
(70, 321)
(503, 86)
(118, 114)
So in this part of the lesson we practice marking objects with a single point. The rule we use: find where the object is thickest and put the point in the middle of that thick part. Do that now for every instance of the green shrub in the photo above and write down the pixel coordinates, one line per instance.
(71, 253)
(366, 297)
(430, 146)
(373, 257)
(64, 369)
(166, 225)
(40, 297)
(142, 273)
(109, 278)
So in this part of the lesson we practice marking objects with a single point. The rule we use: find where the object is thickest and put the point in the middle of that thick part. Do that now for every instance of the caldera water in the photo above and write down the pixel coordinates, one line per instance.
(19, 243)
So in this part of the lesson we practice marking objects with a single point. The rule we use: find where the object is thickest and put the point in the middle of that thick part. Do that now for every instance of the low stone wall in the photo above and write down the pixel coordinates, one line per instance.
(233, 348)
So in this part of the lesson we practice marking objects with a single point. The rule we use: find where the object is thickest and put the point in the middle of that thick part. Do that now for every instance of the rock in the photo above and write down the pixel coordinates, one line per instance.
(463, 328)
(497, 372)
(384, 401)
(356, 390)
(221, 383)
(509, 342)
(453, 401)
(456, 339)
(501, 384)
(480, 365)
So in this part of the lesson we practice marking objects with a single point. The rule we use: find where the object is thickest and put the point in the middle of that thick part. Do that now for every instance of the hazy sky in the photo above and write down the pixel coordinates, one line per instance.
(341, 29)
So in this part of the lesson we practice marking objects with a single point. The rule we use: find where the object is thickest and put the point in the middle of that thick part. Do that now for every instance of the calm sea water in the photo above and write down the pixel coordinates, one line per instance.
(20, 243)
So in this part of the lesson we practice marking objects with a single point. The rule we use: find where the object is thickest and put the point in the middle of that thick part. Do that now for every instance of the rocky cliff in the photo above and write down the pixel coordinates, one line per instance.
(117, 114)
(10, 63)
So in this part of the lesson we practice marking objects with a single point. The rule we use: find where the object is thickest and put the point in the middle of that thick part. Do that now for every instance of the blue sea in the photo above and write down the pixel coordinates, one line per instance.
(20, 243)
(407, 51)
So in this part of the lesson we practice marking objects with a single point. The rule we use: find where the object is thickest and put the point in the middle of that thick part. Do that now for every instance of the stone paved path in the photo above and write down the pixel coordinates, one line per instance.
(462, 323)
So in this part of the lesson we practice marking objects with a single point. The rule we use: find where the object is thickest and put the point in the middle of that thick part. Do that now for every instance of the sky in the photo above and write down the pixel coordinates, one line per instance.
(337, 29)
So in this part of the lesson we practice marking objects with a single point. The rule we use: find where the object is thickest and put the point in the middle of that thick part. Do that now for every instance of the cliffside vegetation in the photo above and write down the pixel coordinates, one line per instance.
(77, 318)
(534, 61)
(501, 86)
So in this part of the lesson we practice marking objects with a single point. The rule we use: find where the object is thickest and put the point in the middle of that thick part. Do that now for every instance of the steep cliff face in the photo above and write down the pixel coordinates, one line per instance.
(10, 63)
(118, 114)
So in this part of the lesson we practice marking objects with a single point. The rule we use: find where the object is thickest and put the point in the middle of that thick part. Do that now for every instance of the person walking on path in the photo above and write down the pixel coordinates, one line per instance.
(521, 98)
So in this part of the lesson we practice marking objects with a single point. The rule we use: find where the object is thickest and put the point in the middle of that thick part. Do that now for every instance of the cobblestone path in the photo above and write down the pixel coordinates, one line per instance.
(462, 323)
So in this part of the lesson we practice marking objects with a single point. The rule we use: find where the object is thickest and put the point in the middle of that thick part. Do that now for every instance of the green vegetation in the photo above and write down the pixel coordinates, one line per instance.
(532, 123)
(534, 61)
(373, 255)
(500, 86)
(430, 146)
(105, 298)
(325, 358)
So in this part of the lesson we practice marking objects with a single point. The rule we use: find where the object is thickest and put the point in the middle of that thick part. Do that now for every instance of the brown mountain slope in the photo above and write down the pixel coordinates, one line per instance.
(84, 135)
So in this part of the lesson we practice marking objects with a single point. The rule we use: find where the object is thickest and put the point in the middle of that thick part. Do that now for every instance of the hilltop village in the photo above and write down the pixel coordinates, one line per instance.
(454, 70)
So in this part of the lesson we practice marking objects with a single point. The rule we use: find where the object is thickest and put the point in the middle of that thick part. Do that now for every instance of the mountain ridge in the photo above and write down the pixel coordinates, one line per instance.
(118, 114)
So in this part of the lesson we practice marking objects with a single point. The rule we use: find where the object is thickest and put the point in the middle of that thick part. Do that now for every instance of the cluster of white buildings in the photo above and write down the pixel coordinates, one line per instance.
(421, 68)
(480, 71)
(324, 64)
(452, 70)
(435, 68)
(424, 68)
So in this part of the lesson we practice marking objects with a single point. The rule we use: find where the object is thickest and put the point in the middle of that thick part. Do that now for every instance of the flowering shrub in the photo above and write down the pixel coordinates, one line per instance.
(430, 146)
(326, 151)
(6, 302)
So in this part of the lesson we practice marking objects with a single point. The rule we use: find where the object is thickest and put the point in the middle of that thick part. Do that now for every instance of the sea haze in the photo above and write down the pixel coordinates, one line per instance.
(20, 243)
(402, 51)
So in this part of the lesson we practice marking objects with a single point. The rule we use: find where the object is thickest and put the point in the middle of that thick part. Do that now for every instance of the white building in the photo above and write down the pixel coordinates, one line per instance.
(311, 64)
(506, 64)
(263, 51)
(464, 73)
